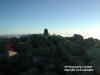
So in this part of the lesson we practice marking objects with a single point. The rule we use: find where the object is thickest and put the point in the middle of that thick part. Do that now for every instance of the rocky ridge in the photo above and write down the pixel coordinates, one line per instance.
(47, 55)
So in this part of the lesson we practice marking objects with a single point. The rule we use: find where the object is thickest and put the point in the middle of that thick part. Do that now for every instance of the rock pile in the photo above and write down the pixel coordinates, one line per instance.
(39, 56)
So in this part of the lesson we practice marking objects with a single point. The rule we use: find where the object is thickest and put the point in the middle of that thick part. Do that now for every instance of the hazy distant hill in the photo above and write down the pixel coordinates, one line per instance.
(14, 35)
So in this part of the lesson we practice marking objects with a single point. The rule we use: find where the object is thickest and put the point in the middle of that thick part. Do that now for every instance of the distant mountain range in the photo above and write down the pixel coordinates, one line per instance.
(14, 35)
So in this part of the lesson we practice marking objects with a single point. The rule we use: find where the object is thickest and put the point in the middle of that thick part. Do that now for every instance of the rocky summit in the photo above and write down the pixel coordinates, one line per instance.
(45, 54)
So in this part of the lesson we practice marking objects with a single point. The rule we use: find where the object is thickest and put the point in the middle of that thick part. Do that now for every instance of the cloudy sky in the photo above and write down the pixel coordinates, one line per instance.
(64, 17)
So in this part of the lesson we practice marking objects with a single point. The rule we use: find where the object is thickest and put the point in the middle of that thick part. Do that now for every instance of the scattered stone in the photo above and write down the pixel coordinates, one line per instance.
(50, 67)
(93, 53)
(25, 62)
(96, 64)
(44, 54)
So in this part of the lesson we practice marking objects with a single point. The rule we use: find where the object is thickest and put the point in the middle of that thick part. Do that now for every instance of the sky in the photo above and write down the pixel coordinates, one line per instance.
(65, 17)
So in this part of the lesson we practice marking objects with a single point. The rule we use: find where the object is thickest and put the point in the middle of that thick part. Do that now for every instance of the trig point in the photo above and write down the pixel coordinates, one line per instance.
(46, 34)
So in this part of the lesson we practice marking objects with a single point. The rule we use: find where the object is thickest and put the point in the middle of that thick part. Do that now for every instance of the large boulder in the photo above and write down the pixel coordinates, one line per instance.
(75, 48)
(93, 53)
(96, 64)
(64, 50)
(54, 52)
(25, 62)
(40, 51)
(75, 60)
(40, 60)
(77, 37)
(50, 67)
(88, 43)
(3, 52)
(31, 71)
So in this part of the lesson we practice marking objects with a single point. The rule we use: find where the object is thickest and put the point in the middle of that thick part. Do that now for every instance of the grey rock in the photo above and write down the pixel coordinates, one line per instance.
(64, 51)
(31, 71)
(53, 50)
(75, 48)
(93, 53)
(40, 60)
(25, 62)
(96, 64)
(77, 60)
(78, 37)
(50, 67)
